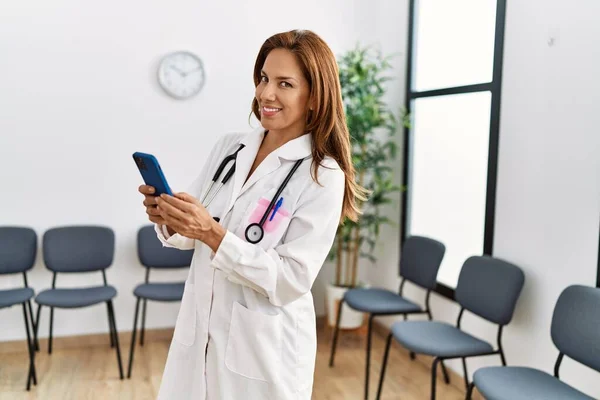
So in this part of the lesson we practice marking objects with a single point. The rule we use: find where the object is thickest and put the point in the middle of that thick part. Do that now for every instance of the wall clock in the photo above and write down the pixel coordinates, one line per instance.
(181, 74)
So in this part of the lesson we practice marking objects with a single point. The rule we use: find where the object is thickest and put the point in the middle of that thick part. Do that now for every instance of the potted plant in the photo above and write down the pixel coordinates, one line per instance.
(373, 128)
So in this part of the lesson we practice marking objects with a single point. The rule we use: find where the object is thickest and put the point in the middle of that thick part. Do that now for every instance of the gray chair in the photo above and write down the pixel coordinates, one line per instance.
(574, 330)
(420, 260)
(79, 249)
(18, 249)
(487, 287)
(152, 254)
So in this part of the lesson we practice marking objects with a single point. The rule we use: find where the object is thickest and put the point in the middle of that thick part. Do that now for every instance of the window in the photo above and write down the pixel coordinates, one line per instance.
(453, 95)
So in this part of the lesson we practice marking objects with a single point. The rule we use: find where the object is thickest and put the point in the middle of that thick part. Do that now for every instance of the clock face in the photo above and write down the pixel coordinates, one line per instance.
(181, 74)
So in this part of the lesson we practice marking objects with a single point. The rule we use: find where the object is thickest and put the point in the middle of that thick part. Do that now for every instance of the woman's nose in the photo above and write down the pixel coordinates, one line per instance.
(268, 93)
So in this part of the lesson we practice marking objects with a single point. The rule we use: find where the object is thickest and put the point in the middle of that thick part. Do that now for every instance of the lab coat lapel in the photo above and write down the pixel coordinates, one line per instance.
(244, 161)
(293, 150)
(269, 164)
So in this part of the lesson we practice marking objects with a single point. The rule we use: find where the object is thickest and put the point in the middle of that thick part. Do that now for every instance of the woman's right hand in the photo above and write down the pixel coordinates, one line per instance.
(150, 203)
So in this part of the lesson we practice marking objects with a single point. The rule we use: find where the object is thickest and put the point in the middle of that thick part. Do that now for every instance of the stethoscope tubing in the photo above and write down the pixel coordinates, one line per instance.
(279, 190)
(228, 175)
(255, 229)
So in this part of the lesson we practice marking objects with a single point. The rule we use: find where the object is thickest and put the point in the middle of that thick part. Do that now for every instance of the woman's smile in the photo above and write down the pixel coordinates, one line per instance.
(269, 111)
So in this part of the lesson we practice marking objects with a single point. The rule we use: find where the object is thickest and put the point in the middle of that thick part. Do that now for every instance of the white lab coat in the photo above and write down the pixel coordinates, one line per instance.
(246, 327)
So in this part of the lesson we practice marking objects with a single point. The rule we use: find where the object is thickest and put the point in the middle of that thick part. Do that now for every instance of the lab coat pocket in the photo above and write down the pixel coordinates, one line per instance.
(274, 218)
(185, 327)
(254, 344)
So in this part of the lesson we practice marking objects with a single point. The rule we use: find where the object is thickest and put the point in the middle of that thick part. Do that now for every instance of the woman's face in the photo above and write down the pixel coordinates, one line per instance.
(282, 94)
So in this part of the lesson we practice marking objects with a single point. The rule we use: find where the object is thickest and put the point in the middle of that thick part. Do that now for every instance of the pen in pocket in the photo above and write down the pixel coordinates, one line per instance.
(276, 208)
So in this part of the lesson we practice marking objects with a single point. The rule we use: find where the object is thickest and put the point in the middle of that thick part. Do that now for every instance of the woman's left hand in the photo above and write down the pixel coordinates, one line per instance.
(185, 215)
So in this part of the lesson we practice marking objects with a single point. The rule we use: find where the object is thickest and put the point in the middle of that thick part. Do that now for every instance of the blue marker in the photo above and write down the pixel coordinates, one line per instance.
(276, 208)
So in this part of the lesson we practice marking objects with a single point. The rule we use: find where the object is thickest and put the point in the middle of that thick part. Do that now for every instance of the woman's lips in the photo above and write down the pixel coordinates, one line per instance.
(269, 111)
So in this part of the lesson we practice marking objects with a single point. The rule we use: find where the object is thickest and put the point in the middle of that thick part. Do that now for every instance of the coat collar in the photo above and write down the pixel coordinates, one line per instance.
(295, 149)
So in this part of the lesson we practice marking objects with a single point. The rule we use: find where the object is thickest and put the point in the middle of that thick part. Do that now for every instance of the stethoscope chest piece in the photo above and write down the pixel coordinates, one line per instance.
(254, 233)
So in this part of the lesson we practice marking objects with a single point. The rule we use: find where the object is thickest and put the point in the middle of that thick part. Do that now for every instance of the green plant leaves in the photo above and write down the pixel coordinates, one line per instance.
(363, 76)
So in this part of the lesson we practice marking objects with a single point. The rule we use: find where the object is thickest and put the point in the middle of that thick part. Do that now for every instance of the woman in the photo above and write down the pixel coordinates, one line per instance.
(246, 327)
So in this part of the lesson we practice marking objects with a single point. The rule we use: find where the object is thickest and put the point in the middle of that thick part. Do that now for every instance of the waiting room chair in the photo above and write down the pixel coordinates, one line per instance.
(489, 288)
(152, 254)
(18, 249)
(419, 263)
(575, 332)
(79, 249)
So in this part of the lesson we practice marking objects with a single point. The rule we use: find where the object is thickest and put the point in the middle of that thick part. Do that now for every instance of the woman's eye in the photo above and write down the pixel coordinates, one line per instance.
(264, 79)
(285, 84)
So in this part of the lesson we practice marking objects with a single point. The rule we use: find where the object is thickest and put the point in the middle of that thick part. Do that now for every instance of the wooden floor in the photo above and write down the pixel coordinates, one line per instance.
(87, 369)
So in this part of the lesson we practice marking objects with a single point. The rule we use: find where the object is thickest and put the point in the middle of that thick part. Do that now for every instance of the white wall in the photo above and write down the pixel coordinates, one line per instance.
(548, 199)
(78, 95)
(389, 35)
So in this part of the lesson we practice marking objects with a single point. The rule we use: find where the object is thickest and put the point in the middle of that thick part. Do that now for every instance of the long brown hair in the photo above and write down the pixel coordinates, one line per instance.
(327, 120)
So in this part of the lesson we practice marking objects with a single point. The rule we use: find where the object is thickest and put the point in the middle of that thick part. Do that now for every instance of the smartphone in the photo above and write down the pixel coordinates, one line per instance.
(152, 173)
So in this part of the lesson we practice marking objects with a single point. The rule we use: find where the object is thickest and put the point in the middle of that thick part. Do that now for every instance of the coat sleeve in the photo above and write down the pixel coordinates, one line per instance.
(287, 272)
(181, 242)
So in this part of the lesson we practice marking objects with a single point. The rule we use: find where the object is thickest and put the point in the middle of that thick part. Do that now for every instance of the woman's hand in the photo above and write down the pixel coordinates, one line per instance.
(188, 217)
(150, 203)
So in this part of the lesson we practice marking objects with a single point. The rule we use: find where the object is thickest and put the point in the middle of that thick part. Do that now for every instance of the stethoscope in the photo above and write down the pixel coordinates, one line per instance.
(254, 232)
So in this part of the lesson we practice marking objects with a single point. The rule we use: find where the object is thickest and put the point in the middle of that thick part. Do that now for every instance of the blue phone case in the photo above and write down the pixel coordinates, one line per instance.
(152, 173)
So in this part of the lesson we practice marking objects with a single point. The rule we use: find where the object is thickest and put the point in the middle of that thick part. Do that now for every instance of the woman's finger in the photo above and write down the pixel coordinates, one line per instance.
(178, 203)
(186, 197)
(152, 211)
(171, 210)
(146, 189)
(157, 219)
(150, 201)
(175, 223)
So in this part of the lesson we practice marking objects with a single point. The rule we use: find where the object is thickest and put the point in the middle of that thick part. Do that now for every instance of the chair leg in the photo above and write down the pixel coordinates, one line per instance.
(368, 356)
(133, 334)
(502, 358)
(143, 323)
(384, 365)
(470, 391)
(335, 333)
(50, 337)
(466, 374)
(434, 376)
(31, 375)
(116, 335)
(110, 329)
(413, 356)
(33, 325)
(445, 372)
(37, 325)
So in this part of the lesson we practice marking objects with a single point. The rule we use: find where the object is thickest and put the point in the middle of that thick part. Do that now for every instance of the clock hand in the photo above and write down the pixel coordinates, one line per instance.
(180, 72)
(189, 72)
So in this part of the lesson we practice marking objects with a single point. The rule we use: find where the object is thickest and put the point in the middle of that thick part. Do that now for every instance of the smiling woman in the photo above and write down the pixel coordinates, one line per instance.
(246, 328)
(282, 92)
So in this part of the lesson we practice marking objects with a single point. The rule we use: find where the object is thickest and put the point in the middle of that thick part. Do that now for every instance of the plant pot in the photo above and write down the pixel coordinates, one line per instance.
(351, 319)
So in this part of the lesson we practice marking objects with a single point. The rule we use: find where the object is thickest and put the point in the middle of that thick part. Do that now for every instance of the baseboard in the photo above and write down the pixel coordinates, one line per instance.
(321, 320)
(165, 334)
(87, 341)
(99, 339)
